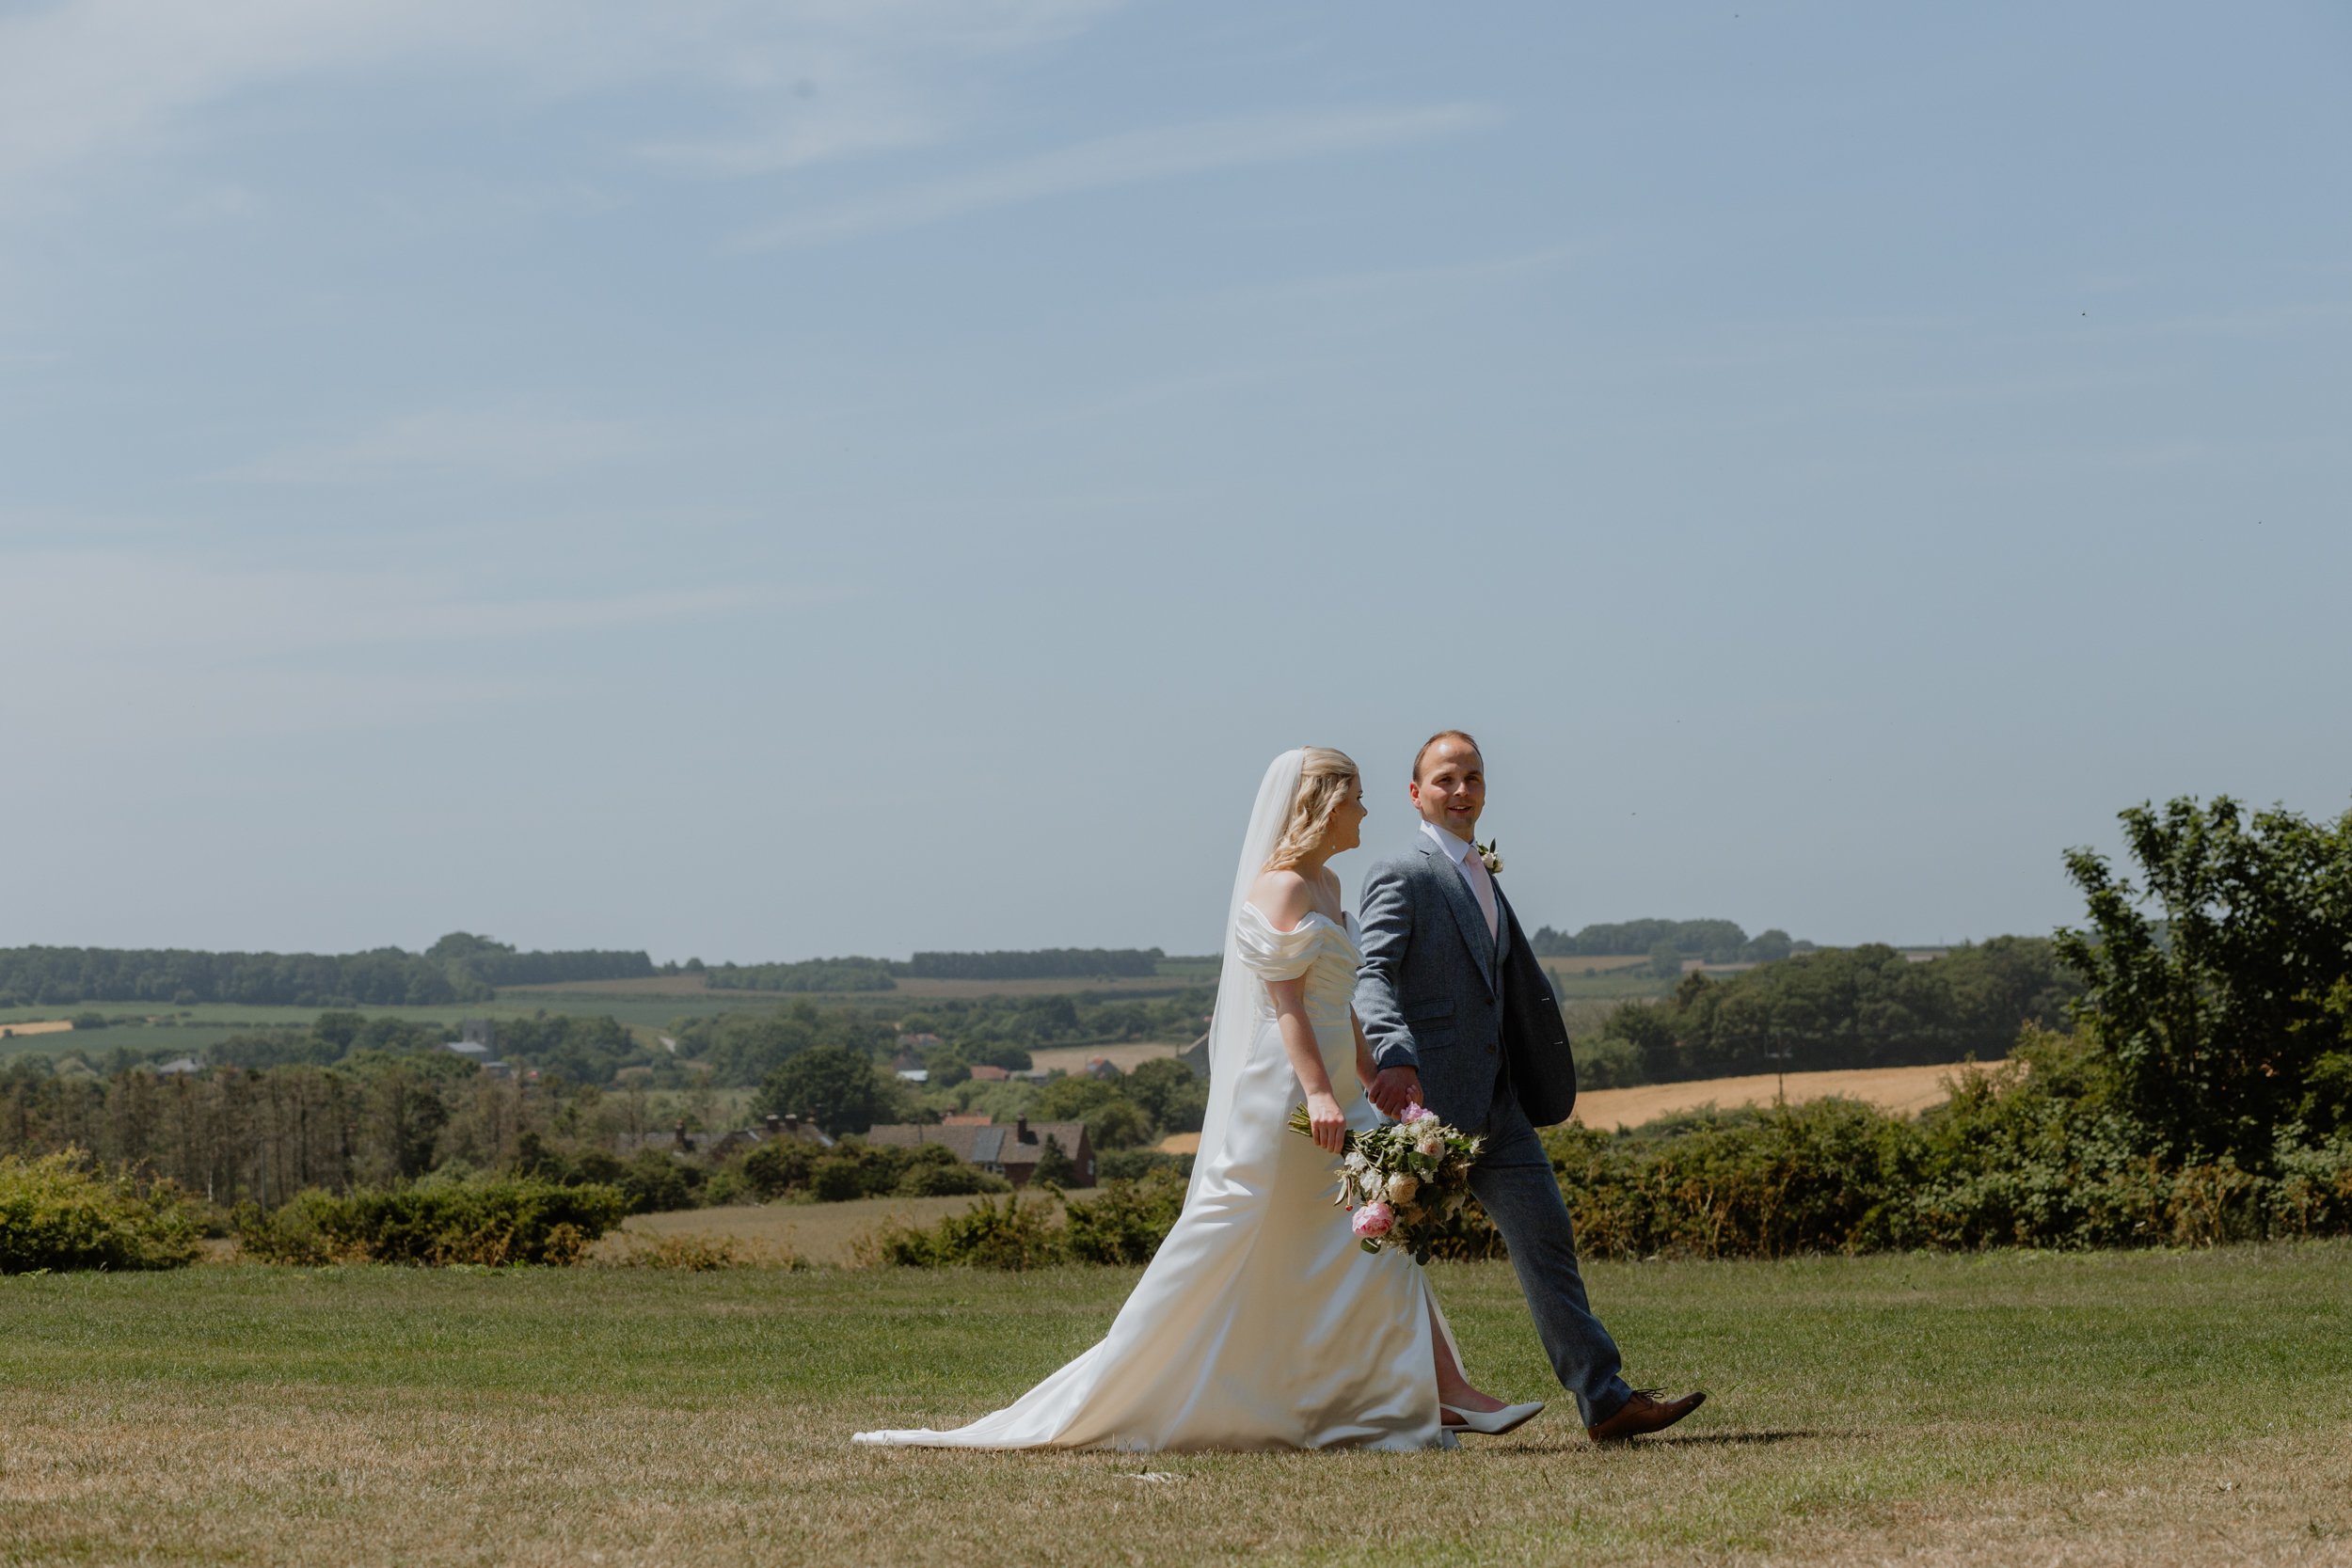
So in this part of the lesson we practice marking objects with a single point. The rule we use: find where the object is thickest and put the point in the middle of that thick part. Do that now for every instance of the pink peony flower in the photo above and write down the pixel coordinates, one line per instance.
(1418, 1111)
(1373, 1219)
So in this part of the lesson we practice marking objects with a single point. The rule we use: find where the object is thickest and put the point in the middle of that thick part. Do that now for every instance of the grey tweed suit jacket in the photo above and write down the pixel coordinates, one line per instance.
(1470, 1012)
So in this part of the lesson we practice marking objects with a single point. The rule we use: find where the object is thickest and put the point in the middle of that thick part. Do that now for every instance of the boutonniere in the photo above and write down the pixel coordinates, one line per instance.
(1486, 853)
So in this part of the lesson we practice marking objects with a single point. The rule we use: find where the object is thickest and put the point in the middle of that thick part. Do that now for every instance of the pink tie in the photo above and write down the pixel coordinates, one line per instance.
(1482, 884)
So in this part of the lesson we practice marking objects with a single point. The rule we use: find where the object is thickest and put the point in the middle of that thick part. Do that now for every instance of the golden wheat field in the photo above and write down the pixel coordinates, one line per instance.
(1905, 1090)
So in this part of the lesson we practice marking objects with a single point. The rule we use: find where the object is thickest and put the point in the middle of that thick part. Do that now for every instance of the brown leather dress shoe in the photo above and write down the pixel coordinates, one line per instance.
(1644, 1412)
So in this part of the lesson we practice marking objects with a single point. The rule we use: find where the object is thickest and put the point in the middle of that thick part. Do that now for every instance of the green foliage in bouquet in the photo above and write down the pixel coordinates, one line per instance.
(1404, 1182)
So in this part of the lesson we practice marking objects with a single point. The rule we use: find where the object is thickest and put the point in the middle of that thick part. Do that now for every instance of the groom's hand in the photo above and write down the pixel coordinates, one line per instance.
(1393, 1089)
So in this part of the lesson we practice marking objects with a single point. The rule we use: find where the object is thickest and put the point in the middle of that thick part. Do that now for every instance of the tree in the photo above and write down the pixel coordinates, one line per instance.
(1113, 1120)
(1170, 1094)
(1053, 1165)
(2215, 1012)
(840, 1090)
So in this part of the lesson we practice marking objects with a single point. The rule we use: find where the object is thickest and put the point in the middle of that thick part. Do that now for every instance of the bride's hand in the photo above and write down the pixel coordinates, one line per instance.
(1325, 1121)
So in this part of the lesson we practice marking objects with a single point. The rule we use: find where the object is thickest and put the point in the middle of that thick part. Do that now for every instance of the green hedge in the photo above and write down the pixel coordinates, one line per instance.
(436, 1224)
(1016, 1233)
(61, 1212)
(789, 1169)
(2034, 1153)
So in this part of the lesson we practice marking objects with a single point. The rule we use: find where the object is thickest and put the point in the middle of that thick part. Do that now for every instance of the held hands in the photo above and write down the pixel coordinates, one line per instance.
(1392, 1088)
(1325, 1122)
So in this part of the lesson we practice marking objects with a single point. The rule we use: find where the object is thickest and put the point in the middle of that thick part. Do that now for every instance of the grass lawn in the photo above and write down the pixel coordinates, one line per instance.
(2117, 1408)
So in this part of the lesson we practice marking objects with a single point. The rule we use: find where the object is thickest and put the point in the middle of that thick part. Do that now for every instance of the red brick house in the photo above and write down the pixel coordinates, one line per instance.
(1011, 1152)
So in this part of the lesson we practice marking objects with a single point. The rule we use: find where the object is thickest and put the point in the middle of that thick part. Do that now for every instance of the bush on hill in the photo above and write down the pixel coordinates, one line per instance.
(1017, 1234)
(493, 1222)
(788, 1170)
(61, 1212)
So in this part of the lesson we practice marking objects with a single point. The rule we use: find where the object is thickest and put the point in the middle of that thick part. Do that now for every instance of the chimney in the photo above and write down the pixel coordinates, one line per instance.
(792, 1124)
(776, 1124)
(1020, 1131)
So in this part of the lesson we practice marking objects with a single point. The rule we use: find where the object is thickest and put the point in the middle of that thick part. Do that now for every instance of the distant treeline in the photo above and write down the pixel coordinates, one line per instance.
(497, 963)
(1842, 1007)
(53, 976)
(458, 968)
(855, 974)
(810, 974)
(1715, 942)
(1043, 963)
(743, 1047)
(578, 1048)
(375, 1119)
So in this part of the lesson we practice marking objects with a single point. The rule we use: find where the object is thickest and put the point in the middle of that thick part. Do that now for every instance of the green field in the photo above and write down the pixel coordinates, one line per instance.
(2104, 1408)
(647, 1006)
(144, 1027)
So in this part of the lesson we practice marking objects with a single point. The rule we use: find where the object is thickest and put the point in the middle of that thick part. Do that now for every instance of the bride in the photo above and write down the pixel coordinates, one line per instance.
(1260, 1324)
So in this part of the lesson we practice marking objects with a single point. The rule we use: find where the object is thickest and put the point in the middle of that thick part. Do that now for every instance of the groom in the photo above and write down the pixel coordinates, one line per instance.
(1460, 1017)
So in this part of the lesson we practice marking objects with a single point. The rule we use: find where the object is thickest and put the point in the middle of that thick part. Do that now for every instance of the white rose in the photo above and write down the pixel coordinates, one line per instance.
(1431, 1145)
(1402, 1186)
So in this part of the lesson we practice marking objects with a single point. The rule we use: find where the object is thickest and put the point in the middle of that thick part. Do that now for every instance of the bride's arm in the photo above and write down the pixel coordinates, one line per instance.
(1282, 897)
(1323, 1116)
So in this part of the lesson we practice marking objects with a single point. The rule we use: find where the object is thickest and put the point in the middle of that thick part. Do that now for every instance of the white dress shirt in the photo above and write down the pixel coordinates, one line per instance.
(1475, 872)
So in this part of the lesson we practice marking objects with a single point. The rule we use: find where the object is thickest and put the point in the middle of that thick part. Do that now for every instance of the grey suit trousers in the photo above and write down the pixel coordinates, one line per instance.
(1514, 1181)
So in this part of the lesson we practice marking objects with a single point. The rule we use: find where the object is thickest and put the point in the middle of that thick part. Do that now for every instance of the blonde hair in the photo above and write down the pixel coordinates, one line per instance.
(1325, 777)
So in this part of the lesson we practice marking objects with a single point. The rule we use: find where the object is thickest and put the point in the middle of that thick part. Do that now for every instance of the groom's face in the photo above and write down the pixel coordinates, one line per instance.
(1450, 790)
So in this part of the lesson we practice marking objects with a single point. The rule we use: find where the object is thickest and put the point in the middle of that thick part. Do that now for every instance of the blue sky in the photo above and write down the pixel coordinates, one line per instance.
(767, 480)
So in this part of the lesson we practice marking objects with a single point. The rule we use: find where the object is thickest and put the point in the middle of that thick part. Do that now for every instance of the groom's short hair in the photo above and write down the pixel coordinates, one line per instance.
(1463, 736)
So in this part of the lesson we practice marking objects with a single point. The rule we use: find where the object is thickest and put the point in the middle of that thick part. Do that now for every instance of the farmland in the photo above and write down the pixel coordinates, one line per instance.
(1904, 1090)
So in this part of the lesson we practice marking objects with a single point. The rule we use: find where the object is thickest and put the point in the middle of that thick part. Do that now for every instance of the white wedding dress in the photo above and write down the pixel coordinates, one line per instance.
(1260, 1324)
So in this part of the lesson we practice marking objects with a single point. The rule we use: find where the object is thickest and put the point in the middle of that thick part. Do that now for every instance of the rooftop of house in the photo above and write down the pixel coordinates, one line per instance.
(1022, 1142)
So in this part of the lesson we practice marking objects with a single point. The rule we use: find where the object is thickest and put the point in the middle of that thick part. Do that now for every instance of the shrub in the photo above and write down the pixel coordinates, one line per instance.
(839, 1178)
(60, 1212)
(1134, 1164)
(652, 1179)
(785, 1168)
(1126, 1221)
(434, 1224)
(1017, 1234)
(1609, 1062)
(765, 1172)
(949, 1178)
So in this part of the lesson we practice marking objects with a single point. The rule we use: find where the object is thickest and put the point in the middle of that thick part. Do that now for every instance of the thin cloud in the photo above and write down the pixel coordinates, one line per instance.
(77, 604)
(146, 643)
(499, 443)
(85, 80)
(1134, 158)
(1444, 277)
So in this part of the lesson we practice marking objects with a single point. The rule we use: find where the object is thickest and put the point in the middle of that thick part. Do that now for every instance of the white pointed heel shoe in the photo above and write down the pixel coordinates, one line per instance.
(1493, 1423)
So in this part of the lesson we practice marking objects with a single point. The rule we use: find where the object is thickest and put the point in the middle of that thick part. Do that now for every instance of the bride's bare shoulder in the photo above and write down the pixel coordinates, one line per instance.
(1283, 897)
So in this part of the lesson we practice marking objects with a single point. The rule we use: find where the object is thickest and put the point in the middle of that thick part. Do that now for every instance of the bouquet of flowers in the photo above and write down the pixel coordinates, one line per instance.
(1404, 1181)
